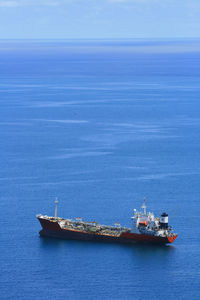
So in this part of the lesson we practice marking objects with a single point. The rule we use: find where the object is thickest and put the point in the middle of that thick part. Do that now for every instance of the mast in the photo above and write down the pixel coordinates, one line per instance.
(144, 206)
(56, 207)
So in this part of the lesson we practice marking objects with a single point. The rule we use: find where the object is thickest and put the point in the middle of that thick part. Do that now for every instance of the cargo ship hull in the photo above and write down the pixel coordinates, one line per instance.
(52, 229)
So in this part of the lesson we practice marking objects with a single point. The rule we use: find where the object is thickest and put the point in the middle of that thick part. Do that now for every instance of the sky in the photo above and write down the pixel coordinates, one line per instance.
(99, 19)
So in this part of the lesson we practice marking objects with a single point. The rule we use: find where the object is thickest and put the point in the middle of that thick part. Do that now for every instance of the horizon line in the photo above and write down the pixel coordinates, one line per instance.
(100, 39)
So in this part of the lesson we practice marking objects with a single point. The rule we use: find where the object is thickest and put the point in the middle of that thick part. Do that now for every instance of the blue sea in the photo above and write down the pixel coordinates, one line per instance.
(100, 124)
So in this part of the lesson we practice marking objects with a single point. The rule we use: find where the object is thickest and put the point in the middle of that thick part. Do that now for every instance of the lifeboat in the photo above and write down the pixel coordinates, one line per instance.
(143, 223)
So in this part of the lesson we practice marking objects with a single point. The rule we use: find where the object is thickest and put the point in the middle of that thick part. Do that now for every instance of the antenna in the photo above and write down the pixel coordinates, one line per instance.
(144, 206)
(56, 207)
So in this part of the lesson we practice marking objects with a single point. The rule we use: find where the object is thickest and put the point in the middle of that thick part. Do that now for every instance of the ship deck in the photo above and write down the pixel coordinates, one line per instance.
(87, 227)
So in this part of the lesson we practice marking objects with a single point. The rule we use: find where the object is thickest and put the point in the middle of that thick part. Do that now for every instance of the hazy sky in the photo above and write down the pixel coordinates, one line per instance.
(99, 18)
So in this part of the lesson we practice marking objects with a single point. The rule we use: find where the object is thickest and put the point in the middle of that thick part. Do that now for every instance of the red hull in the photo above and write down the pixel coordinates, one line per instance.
(52, 229)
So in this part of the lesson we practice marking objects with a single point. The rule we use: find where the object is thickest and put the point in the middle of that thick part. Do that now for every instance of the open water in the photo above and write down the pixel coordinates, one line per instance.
(100, 125)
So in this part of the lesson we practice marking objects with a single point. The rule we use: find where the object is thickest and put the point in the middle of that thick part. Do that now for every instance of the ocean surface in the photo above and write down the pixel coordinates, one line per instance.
(100, 125)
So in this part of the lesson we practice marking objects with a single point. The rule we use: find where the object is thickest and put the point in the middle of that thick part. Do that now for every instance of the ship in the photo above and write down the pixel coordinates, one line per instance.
(145, 228)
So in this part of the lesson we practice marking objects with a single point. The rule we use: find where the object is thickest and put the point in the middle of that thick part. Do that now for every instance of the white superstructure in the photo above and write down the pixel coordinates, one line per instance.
(145, 223)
